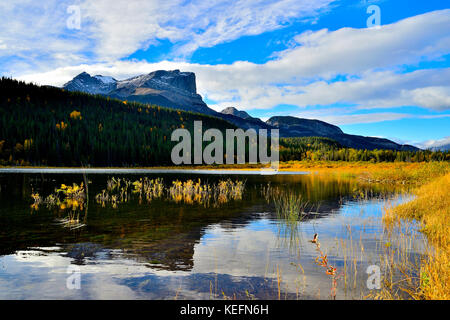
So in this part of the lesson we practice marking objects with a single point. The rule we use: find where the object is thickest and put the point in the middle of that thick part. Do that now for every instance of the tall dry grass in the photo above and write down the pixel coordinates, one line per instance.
(431, 208)
(383, 172)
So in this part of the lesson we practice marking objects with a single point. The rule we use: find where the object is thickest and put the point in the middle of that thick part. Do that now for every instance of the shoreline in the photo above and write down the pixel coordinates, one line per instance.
(51, 170)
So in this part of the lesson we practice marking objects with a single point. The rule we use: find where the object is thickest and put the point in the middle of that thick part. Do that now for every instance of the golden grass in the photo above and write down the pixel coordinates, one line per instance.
(383, 172)
(398, 172)
(189, 192)
(431, 208)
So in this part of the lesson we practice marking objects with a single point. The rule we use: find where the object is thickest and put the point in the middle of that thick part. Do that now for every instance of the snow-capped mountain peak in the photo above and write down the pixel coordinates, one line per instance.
(105, 79)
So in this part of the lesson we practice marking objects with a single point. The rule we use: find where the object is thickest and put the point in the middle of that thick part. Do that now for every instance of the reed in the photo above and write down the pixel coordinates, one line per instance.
(190, 192)
(290, 206)
(187, 192)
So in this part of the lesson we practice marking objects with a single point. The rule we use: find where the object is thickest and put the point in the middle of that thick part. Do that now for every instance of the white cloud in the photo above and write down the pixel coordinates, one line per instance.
(432, 97)
(341, 119)
(369, 60)
(35, 35)
(429, 144)
(122, 27)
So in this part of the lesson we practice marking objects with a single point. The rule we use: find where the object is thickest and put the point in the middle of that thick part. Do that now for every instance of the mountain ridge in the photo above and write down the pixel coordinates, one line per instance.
(178, 90)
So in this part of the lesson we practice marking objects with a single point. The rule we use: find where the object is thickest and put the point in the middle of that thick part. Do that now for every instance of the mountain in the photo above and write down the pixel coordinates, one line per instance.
(94, 85)
(437, 145)
(296, 127)
(250, 122)
(49, 126)
(235, 112)
(171, 89)
(178, 90)
(445, 147)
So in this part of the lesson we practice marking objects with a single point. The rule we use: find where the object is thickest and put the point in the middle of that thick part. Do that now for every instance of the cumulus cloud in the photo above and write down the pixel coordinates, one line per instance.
(443, 144)
(355, 67)
(432, 97)
(35, 35)
(122, 27)
(424, 88)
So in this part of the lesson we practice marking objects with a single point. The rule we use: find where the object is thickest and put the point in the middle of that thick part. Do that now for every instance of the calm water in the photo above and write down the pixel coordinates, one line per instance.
(168, 250)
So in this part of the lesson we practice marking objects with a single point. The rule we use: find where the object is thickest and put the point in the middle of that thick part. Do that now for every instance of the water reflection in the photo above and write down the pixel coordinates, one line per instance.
(166, 250)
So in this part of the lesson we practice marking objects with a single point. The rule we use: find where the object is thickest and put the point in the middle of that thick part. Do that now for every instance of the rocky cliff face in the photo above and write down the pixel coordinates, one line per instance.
(175, 89)
(172, 89)
(94, 85)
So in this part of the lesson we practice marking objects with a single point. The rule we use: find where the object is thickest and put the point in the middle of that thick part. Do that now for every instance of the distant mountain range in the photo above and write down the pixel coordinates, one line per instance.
(175, 89)
(445, 147)
(438, 145)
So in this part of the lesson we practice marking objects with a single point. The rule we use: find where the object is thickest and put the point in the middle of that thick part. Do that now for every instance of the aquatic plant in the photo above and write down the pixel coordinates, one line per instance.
(188, 192)
(117, 190)
(149, 188)
(289, 205)
(70, 199)
(37, 200)
(322, 260)
(191, 192)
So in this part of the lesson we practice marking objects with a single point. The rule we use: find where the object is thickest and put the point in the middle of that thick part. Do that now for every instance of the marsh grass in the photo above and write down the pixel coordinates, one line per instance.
(431, 209)
(290, 206)
(188, 192)
(69, 199)
(403, 173)
(214, 195)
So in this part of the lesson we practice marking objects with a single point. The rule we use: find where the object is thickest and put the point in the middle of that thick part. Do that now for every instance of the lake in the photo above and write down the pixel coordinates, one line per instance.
(131, 246)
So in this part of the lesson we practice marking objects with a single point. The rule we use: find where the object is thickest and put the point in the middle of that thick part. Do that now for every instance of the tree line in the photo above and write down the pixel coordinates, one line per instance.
(43, 125)
(318, 148)
(48, 126)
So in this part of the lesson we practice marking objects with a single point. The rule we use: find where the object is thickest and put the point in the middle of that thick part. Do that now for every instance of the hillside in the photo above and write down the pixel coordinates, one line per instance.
(50, 126)
(178, 90)
(297, 127)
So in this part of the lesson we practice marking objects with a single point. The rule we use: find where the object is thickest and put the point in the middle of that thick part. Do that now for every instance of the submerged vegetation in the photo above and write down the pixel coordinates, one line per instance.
(206, 194)
(120, 190)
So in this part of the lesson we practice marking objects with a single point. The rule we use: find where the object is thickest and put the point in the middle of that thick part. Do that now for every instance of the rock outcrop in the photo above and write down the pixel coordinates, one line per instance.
(172, 89)
(175, 89)
(95, 85)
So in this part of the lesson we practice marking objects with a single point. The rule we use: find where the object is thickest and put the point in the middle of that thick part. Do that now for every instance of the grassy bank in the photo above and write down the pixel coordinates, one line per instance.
(383, 172)
(430, 183)
(431, 208)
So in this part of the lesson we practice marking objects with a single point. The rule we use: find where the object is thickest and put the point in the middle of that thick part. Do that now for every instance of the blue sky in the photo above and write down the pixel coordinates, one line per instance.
(316, 59)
